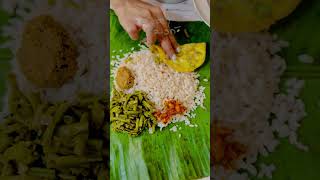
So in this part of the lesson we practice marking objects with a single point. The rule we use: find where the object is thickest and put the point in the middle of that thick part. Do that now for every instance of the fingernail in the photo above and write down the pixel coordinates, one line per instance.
(173, 57)
(178, 49)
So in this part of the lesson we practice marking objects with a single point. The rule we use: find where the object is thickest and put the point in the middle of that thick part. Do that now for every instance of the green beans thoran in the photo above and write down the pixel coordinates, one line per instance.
(58, 141)
(132, 113)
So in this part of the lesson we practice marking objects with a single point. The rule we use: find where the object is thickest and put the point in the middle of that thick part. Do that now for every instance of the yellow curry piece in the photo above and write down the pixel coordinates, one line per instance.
(249, 15)
(190, 57)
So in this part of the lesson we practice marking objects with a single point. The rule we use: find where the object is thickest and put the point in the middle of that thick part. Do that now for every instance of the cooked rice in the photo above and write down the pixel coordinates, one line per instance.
(162, 83)
(87, 28)
(247, 74)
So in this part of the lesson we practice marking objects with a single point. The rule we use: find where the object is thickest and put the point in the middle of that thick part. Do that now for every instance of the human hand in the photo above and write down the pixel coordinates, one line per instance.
(137, 15)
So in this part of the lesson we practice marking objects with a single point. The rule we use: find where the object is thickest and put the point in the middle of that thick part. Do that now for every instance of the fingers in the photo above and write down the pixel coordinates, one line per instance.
(134, 33)
(150, 25)
(151, 37)
(153, 22)
(161, 18)
(167, 47)
(174, 42)
(131, 29)
(152, 29)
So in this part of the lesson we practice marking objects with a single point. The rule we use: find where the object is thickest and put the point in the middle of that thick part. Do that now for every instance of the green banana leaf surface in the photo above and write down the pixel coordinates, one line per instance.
(302, 30)
(164, 155)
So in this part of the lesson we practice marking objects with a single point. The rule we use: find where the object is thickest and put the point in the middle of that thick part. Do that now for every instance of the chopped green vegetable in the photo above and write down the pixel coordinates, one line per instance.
(97, 113)
(68, 119)
(73, 161)
(48, 134)
(21, 152)
(71, 130)
(80, 144)
(7, 169)
(42, 172)
(67, 177)
(61, 140)
(131, 113)
(19, 177)
(5, 141)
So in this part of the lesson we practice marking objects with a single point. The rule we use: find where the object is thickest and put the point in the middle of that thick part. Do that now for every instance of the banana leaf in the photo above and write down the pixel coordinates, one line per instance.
(302, 30)
(164, 155)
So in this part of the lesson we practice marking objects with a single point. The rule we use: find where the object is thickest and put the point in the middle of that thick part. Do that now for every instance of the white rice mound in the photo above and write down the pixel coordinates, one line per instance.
(87, 27)
(161, 83)
(247, 73)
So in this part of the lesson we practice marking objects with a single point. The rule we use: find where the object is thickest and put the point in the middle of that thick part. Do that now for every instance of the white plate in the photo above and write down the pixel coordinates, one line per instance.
(203, 9)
